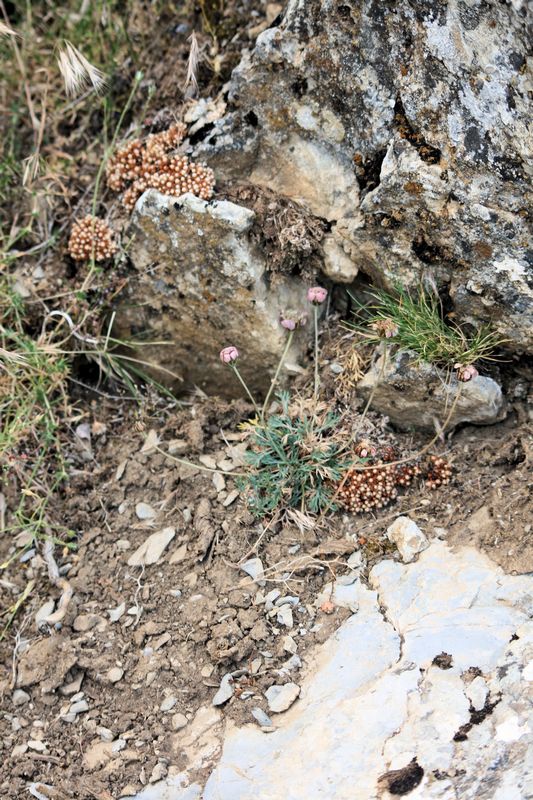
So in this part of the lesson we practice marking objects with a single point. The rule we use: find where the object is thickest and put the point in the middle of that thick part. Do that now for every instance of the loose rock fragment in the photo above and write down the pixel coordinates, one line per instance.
(280, 698)
(144, 511)
(225, 691)
(152, 549)
(254, 568)
(20, 697)
(262, 717)
(407, 537)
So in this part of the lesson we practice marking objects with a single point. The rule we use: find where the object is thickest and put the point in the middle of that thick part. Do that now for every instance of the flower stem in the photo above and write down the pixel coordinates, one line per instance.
(276, 376)
(317, 379)
(246, 389)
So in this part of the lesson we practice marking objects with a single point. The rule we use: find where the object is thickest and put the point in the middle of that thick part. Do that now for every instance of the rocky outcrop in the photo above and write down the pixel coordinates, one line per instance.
(200, 284)
(418, 395)
(406, 126)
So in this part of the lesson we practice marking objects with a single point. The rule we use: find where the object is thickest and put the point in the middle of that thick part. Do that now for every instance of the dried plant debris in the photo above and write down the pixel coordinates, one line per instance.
(153, 163)
(287, 232)
(377, 480)
(91, 237)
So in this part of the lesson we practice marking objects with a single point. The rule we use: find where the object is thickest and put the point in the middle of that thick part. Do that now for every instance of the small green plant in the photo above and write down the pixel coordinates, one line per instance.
(414, 322)
(297, 456)
(296, 460)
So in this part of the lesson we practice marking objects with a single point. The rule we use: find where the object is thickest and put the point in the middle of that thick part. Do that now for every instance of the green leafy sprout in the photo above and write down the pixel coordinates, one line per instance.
(295, 461)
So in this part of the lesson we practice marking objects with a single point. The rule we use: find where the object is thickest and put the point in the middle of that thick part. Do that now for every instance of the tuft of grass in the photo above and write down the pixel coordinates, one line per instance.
(295, 459)
(417, 325)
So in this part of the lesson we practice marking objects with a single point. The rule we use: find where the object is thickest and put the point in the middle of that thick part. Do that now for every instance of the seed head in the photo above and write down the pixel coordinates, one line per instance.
(465, 372)
(229, 354)
(77, 71)
(90, 237)
(385, 328)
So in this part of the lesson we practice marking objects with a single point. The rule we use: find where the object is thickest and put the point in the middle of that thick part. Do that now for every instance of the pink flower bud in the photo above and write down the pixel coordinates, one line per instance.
(317, 295)
(465, 372)
(229, 354)
(289, 324)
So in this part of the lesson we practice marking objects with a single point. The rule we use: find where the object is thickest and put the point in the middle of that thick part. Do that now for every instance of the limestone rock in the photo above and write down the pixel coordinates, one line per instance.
(280, 698)
(202, 284)
(408, 127)
(407, 537)
(419, 395)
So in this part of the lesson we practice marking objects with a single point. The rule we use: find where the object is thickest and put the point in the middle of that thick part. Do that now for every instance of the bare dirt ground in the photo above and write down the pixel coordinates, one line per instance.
(143, 648)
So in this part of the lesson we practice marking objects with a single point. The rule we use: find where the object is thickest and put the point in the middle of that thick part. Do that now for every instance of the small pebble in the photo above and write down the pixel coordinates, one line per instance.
(114, 674)
(168, 703)
(179, 721)
(280, 698)
(144, 511)
(262, 717)
(232, 496)
(79, 708)
(225, 691)
(34, 744)
(20, 697)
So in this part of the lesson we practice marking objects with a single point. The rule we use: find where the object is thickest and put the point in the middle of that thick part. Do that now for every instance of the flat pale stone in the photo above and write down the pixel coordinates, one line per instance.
(151, 550)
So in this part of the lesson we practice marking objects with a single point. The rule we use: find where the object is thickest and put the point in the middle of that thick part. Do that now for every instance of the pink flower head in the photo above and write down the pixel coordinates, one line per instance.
(465, 372)
(289, 324)
(229, 354)
(317, 295)
(290, 320)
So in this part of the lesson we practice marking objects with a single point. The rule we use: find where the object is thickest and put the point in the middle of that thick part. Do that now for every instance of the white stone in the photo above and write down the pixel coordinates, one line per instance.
(407, 537)
(254, 568)
(168, 703)
(144, 511)
(179, 721)
(151, 550)
(114, 674)
(20, 697)
(280, 698)
(284, 616)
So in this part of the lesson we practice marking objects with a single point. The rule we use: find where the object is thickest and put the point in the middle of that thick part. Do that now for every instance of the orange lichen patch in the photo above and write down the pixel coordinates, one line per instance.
(152, 163)
(91, 237)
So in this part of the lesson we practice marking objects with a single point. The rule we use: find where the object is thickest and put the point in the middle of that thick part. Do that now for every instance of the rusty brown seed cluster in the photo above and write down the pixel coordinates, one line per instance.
(90, 237)
(439, 472)
(379, 482)
(151, 163)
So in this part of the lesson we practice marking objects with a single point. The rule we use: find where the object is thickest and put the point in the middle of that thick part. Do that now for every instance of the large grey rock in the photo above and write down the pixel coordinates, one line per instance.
(202, 284)
(408, 126)
(394, 686)
(421, 396)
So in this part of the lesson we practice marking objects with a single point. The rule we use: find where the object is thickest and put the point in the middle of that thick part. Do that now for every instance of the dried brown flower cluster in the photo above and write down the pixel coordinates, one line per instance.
(90, 237)
(152, 164)
(377, 484)
(439, 472)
